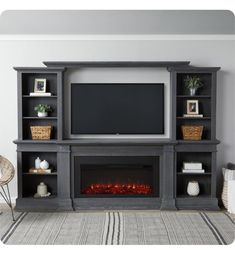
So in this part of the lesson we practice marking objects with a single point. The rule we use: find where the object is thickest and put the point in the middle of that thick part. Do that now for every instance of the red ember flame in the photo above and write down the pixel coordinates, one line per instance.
(125, 189)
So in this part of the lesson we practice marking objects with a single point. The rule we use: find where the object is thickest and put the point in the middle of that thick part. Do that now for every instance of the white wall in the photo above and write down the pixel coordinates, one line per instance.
(199, 52)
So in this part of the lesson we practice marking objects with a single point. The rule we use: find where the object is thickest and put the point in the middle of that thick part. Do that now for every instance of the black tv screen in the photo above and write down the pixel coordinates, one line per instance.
(117, 108)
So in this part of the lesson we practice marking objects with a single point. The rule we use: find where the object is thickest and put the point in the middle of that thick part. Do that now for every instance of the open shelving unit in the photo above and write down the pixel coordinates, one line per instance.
(27, 117)
(204, 150)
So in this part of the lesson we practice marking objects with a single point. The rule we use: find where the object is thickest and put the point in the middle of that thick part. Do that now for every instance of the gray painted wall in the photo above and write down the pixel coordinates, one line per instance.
(117, 22)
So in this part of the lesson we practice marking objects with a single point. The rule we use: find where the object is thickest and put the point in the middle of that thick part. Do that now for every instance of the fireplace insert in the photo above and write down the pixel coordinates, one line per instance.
(116, 176)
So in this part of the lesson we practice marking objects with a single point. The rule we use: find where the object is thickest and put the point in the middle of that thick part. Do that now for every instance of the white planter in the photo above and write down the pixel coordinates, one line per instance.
(42, 114)
(193, 92)
(44, 164)
(193, 188)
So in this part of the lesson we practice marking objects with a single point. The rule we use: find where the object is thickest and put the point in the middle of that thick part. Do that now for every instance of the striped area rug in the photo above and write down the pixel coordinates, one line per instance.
(119, 228)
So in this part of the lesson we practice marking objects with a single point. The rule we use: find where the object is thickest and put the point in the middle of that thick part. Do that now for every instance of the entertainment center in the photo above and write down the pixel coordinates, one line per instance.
(120, 171)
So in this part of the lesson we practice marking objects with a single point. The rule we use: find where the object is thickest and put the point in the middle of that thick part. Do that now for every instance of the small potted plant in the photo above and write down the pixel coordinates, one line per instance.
(193, 83)
(42, 110)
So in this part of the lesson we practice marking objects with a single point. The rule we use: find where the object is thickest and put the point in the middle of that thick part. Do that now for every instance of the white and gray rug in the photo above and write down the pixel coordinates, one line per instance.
(117, 228)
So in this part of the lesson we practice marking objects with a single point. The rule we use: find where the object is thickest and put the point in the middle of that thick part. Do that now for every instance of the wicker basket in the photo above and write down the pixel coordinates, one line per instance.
(192, 132)
(41, 132)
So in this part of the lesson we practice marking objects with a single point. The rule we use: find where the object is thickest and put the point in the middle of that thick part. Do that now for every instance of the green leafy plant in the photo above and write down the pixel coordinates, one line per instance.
(193, 82)
(42, 108)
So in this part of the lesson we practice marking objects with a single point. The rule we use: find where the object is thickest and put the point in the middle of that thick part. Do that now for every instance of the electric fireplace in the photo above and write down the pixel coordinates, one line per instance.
(116, 176)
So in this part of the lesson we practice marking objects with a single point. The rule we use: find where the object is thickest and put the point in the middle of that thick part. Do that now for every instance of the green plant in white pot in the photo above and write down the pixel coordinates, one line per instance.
(193, 83)
(42, 110)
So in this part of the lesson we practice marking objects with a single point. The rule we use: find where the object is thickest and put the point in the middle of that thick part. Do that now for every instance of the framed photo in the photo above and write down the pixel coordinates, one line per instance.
(192, 107)
(40, 86)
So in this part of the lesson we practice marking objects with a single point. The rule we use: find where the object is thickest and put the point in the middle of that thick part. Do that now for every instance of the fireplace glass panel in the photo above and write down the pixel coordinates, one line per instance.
(117, 176)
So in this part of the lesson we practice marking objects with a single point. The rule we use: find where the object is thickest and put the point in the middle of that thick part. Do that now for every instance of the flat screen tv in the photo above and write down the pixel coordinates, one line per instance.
(117, 109)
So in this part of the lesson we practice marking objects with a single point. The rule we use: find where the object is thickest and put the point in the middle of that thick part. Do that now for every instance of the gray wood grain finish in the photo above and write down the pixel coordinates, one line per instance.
(60, 103)
(169, 151)
(20, 114)
(116, 203)
(168, 179)
(173, 92)
(197, 203)
(39, 69)
(69, 64)
(193, 69)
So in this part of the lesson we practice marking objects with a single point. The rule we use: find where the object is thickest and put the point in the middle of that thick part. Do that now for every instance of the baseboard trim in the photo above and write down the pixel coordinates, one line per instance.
(13, 200)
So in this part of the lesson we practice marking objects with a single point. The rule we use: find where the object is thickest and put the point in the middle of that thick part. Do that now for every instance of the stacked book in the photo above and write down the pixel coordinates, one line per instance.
(192, 168)
(193, 115)
(39, 171)
(44, 94)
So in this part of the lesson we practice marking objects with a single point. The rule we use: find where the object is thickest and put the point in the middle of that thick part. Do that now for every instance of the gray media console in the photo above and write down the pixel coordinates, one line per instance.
(76, 163)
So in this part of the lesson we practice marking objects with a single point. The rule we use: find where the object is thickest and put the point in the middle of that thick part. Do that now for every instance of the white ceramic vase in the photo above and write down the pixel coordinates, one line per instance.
(42, 114)
(44, 164)
(37, 162)
(193, 188)
(42, 189)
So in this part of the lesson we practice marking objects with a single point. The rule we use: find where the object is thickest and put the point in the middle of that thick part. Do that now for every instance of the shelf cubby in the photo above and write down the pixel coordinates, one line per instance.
(203, 157)
(28, 122)
(206, 79)
(28, 160)
(29, 103)
(29, 78)
(30, 184)
(204, 106)
(30, 181)
(204, 179)
(204, 182)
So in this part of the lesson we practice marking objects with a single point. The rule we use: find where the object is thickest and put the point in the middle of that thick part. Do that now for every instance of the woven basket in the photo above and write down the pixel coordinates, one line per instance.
(192, 132)
(41, 132)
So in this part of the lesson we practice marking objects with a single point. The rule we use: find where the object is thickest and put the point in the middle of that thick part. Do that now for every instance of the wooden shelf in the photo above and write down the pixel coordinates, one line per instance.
(27, 96)
(187, 174)
(30, 141)
(41, 198)
(35, 174)
(40, 118)
(192, 197)
(196, 96)
(193, 118)
(204, 141)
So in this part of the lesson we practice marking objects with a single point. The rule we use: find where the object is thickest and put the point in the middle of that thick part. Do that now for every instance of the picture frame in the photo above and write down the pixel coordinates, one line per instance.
(40, 85)
(192, 107)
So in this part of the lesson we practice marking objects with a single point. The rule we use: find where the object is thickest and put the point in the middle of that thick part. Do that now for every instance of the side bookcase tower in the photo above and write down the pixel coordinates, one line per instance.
(204, 150)
(28, 150)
